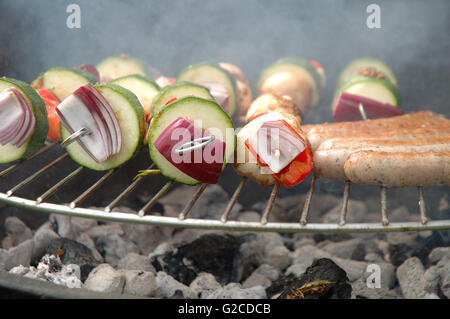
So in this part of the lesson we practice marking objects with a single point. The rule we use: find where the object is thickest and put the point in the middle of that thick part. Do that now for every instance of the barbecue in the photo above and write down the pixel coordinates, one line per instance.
(96, 143)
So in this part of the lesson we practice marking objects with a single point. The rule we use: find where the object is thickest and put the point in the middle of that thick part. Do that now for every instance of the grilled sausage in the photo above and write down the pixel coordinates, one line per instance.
(392, 133)
(399, 169)
(419, 123)
(421, 116)
(331, 156)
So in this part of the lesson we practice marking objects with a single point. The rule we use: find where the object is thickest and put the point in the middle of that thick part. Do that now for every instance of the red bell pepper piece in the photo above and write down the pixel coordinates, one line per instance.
(297, 170)
(51, 102)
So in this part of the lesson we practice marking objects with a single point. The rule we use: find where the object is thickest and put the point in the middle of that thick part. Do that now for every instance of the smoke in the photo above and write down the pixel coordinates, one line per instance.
(413, 39)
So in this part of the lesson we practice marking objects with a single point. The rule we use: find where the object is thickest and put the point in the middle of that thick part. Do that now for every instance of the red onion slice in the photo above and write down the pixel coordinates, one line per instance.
(75, 115)
(87, 108)
(90, 68)
(28, 124)
(203, 164)
(347, 108)
(219, 92)
(11, 115)
(89, 100)
(276, 144)
(17, 120)
(109, 116)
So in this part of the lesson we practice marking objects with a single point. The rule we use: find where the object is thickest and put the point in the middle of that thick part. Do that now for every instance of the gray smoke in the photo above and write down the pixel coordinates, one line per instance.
(413, 38)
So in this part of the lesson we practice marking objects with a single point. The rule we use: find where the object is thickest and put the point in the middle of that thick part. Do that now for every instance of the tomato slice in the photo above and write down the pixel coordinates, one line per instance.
(51, 101)
(297, 170)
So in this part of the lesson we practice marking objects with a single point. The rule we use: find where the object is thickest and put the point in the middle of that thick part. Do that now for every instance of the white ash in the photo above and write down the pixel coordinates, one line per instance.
(51, 269)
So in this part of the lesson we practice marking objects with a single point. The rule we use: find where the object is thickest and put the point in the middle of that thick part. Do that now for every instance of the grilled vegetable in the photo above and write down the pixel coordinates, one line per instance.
(177, 91)
(243, 86)
(115, 67)
(62, 81)
(90, 68)
(347, 108)
(164, 81)
(144, 89)
(221, 83)
(23, 120)
(51, 102)
(364, 87)
(364, 65)
(126, 110)
(177, 124)
(272, 146)
(302, 81)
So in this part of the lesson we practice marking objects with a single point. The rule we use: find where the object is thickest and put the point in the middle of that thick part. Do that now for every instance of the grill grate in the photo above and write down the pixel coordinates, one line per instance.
(143, 217)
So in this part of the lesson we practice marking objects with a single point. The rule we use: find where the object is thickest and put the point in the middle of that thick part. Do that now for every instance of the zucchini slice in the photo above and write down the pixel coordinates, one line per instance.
(144, 89)
(115, 67)
(178, 91)
(208, 72)
(298, 67)
(62, 81)
(212, 118)
(356, 65)
(381, 90)
(9, 153)
(131, 117)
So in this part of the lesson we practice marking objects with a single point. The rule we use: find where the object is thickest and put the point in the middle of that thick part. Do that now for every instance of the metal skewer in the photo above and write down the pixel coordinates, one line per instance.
(75, 136)
(362, 111)
(195, 144)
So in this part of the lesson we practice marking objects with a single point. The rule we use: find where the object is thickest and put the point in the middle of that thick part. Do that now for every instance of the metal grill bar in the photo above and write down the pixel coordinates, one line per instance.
(423, 209)
(217, 224)
(223, 222)
(343, 215)
(233, 200)
(128, 190)
(58, 185)
(30, 178)
(273, 196)
(188, 207)
(384, 217)
(14, 166)
(91, 189)
(155, 198)
(305, 211)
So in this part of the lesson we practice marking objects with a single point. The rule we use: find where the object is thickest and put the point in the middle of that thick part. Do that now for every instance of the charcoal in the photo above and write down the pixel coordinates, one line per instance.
(72, 252)
(322, 270)
(212, 253)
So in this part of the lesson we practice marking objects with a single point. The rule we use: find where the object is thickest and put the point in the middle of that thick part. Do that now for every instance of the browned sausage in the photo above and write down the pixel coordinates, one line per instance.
(399, 169)
(422, 116)
(377, 142)
(330, 157)
(392, 133)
